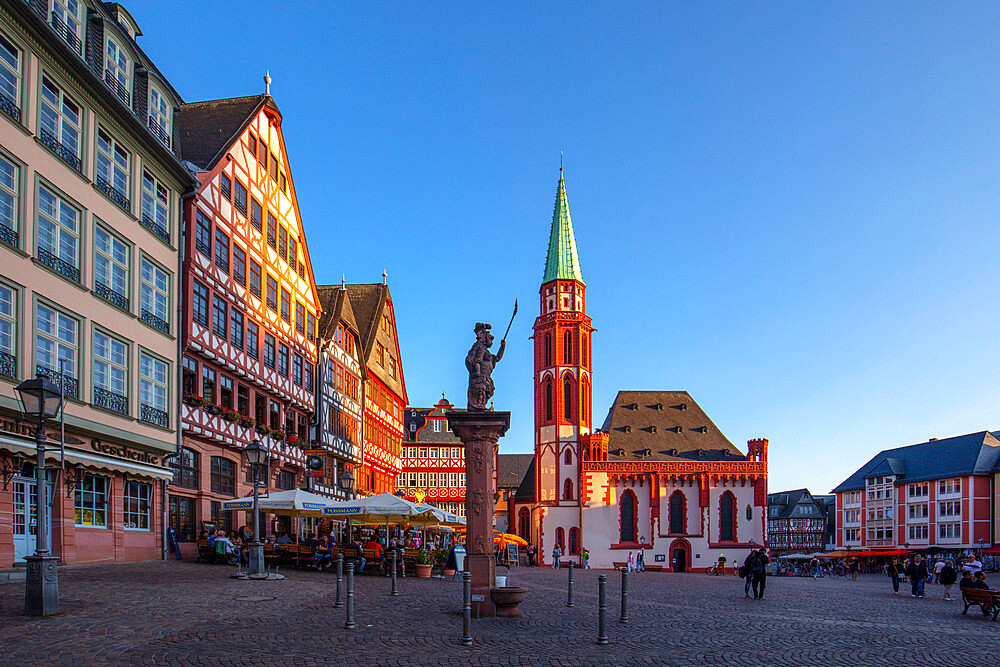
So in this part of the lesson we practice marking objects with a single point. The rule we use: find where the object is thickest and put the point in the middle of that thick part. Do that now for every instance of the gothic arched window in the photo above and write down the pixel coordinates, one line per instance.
(727, 517)
(677, 513)
(522, 523)
(574, 541)
(548, 349)
(568, 399)
(568, 458)
(548, 399)
(568, 347)
(568, 490)
(628, 519)
(561, 538)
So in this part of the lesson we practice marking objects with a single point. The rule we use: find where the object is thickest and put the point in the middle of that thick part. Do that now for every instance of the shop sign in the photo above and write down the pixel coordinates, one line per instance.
(315, 460)
(123, 452)
(17, 427)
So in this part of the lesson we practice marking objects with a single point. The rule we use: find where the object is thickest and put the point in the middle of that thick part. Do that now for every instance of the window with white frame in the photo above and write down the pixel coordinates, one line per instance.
(918, 511)
(154, 384)
(918, 532)
(67, 19)
(433, 479)
(110, 367)
(434, 453)
(437, 425)
(10, 78)
(136, 500)
(423, 479)
(111, 264)
(453, 479)
(58, 234)
(950, 508)
(60, 122)
(917, 490)
(91, 505)
(423, 452)
(456, 452)
(117, 69)
(154, 205)
(950, 531)
(949, 486)
(112, 168)
(154, 295)
(10, 186)
(159, 115)
(57, 339)
(8, 331)
(461, 479)
(412, 481)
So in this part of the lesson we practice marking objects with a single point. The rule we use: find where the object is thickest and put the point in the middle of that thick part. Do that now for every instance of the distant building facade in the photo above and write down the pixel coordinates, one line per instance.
(433, 459)
(796, 522)
(938, 493)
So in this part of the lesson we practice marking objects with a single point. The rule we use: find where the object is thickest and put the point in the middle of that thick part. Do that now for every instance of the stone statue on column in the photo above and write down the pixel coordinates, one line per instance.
(480, 363)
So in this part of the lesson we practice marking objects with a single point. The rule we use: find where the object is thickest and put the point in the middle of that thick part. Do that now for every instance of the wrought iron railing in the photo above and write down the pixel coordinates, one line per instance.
(255, 289)
(156, 228)
(8, 365)
(151, 415)
(109, 400)
(64, 31)
(154, 321)
(10, 107)
(116, 86)
(113, 193)
(8, 236)
(110, 294)
(65, 153)
(70, 385)
(59, 265)
(203, 247)
(158, 131)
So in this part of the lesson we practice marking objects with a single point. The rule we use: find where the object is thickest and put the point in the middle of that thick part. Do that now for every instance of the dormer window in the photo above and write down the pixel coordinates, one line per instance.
(159, 115)
(67, 20)
(117, 70)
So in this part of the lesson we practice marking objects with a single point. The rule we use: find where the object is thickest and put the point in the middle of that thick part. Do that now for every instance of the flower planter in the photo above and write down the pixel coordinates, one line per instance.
(423, 570)
(448, 573)
(506, 600)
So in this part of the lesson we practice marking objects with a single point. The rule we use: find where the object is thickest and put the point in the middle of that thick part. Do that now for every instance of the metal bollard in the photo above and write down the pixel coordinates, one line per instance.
(466, 609)
(349, 623)
(394, 591)
(338, 603)
(624, 616)
(602, 608)
(569, 590)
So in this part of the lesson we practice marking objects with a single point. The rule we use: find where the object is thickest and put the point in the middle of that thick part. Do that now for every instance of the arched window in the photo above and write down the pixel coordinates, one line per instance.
(628, 526)
(523, 528)
(548, 349)
(574, 541)
(568, 457)
(749, 513)
(727, 517)
(677, 513)
(568, 489)
(568, 399)
(568, 348)
(548, 399)
(585, 403)
(561, 538)
(583, 350)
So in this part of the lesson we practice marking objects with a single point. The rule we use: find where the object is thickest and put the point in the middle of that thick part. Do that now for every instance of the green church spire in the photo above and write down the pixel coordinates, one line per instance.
(562, 263)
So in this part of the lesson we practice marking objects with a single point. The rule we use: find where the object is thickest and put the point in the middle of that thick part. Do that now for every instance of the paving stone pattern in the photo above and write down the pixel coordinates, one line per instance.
(184, 613)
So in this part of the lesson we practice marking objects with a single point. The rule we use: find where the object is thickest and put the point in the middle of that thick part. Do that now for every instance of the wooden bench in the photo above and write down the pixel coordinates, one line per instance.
(654, 568)
(987, 600)
(205, 552)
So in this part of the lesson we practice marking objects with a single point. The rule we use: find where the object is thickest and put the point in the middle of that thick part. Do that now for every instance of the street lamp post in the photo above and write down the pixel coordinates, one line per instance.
(42, 400)
(255, 455)
(346, 484)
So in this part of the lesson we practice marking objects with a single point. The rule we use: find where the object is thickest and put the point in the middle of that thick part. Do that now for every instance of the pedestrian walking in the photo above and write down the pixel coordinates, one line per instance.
(917, 572)
(630, 562)
(556, 555)
(948, 577)
(852, 564)
(746, 575)
(586, 558)
(640, 561)
(757, 563)
(895, 570)
(938, 566)
(531, 555)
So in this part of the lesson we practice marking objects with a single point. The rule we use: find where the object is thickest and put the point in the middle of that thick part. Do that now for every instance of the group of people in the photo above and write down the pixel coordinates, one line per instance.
(557, 554)
(754, 573)
(943, 572)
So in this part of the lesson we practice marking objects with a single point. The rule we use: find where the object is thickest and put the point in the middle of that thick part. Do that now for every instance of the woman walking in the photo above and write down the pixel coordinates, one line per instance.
(948, 577)
(895, 570)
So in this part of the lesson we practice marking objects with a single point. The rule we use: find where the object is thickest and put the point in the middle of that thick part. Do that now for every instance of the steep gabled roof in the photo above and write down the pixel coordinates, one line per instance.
(781, 505)
(526, 492)
(336, 305)
(971, 454)
(664, 426)
(367, 300)
(562, 261)
(207, 129)
(512, 469)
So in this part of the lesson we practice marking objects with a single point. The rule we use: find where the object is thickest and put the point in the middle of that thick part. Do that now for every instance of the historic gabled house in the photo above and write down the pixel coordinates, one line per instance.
(658, 473)
(433, 459)
(796, 522)
(89, 236)
(250, 315)
(337, 426)
(384, 388)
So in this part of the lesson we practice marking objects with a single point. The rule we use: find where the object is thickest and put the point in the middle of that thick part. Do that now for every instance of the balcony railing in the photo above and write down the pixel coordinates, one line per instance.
(58, 265)
(67, 33)
(65, 153)
(110, 400)
(116, 86)
(203, 247)
(8, 236)
(70, 385)
(10, 107)
(158, 131)
(156, 228)
(151, 415)
(255, 289)
(154, 321)
(114, 194)
(110, 294)
(8, 365)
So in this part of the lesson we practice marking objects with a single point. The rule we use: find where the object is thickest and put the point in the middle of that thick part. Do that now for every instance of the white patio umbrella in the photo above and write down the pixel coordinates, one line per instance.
(384, 508)
(447, 519)
(285, 503)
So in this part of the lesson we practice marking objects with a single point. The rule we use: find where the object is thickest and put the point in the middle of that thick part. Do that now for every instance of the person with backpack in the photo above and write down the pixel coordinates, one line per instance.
(746, 575)
(948, 577)
(758, 572)
(895, 570)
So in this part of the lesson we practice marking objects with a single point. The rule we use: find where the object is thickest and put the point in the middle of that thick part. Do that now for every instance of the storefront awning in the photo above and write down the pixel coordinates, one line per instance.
(87, 459)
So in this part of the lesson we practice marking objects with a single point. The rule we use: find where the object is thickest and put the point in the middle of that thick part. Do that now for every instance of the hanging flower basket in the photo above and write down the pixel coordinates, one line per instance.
(230, 415)
(194, 400)
(246, 421)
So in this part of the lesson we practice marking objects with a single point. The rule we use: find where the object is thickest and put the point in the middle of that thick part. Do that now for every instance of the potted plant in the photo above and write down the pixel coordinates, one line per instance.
(213, 408)
(441, 557)
(194, 400)
(262, 428)
(423, 563)
(230, 415)
(246, 422)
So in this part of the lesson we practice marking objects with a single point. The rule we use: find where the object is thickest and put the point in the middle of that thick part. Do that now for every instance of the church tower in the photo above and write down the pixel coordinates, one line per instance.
(562, 387)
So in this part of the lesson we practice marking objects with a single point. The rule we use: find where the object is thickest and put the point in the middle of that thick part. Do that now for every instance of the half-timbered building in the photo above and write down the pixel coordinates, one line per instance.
(433, 464)
(657, 474)
(796, 522)
(250, 313)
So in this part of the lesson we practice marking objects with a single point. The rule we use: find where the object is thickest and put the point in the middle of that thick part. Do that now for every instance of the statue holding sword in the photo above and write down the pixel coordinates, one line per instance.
(480, 363)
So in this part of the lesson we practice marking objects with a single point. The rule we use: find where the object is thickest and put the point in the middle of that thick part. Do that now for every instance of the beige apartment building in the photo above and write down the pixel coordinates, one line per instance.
(90, 192)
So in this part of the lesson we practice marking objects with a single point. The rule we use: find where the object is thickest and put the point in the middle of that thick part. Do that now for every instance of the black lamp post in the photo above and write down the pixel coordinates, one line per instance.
(41, 400)
(256, 457)
(346, 484)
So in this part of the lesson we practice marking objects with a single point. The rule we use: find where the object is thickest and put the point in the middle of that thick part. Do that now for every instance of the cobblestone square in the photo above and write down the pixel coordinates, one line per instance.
(190, 614)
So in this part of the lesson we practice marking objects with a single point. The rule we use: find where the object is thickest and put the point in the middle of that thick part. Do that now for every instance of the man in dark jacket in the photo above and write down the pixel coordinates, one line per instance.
(948, 576)
(756, 564)
(917, 572)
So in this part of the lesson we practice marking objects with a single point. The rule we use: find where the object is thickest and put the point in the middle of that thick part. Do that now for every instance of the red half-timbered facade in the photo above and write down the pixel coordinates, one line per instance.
(250, 311)
(433, 463)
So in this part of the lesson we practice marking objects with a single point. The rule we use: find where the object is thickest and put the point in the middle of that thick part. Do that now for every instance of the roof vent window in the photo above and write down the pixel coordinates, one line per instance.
(652, 429)
(618, 452)
(628, 429)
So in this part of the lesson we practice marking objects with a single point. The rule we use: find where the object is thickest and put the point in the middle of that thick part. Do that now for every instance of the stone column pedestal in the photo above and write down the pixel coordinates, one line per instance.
(479, 432)
(41, 586)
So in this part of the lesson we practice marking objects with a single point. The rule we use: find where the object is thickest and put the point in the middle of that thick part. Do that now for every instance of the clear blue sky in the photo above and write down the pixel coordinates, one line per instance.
(787, 209)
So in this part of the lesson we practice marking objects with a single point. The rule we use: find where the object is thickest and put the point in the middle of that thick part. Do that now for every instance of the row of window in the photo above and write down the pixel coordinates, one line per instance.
(567, 400)
(383, 437)
(343, 424)
(386, 360)
(91, 503)
(376, 394)
(59, 349)
(567, 350)
(344, 381)
(230, 323)
(426, 480)
(434, 452)
(268, 161)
